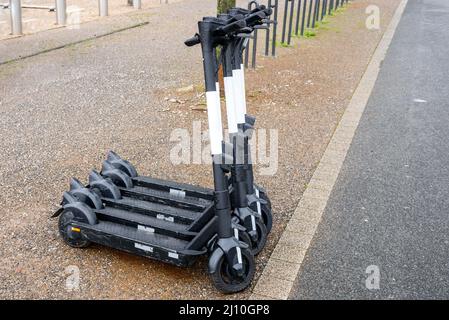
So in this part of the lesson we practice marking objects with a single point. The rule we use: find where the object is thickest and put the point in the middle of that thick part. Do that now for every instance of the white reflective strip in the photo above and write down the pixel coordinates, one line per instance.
(242, 81)
(173, 255)
(253, 222)
(259, 210)
(236, 233)
(143, 247)
(239, 255)
(230, 104)
(214, 119)
(238, 91)
(146, 229)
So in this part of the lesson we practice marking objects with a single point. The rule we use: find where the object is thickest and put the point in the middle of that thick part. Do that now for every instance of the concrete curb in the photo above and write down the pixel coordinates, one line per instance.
(279, 275)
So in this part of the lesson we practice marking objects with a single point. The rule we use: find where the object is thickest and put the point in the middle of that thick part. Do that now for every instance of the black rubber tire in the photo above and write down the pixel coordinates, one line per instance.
(267, 217)
(258, 245)
(223, 278)
(73, 239)
(264, 196)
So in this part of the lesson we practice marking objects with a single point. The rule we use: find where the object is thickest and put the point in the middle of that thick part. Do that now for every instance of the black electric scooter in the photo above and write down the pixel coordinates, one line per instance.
(249, 210)
(164, 220)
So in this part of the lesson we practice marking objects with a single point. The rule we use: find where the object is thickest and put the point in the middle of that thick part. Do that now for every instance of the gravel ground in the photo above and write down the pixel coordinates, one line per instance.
(61, 111)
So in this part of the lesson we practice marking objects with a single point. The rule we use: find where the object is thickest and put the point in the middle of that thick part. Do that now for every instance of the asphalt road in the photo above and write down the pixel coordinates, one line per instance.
(390, 205)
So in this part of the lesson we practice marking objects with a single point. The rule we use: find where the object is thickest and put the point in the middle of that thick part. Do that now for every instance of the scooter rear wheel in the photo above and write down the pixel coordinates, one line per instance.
(71, 236)
(227, 281)
(267, 217)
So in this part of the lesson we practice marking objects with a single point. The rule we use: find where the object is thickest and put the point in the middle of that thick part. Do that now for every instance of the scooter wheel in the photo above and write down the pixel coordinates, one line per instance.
(258, 244)
(244, 237)
(227, 281)
(71, 236)
(267, 217)
(264, 196)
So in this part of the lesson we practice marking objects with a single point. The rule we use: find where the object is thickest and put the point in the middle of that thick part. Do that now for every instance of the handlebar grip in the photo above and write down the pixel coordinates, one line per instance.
(193, 41)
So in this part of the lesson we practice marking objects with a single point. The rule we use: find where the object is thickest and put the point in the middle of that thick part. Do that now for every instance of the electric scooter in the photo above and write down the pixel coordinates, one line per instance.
(257, 218)
(162, 220)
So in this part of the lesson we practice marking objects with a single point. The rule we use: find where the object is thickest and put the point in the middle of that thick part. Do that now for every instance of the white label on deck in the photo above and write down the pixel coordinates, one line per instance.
(177, 193)
(162, 217)
(143, 247)
(173, 255)
(146, 229)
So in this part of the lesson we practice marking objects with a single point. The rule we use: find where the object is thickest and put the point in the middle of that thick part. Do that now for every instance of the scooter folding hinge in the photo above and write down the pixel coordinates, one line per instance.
(252, 198)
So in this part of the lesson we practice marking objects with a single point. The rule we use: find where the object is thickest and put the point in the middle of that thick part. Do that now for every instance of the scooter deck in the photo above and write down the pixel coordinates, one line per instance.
(152, 219)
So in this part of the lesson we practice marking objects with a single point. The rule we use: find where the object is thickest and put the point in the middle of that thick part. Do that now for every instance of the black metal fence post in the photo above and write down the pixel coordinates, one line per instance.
(314, 15)
(275, 27)
(267, 38)
(290, 26)
(298, 16)
(303, 20)
(310, 13)
(323, 9)
(284, 23)
(317, 10)
(253, 58)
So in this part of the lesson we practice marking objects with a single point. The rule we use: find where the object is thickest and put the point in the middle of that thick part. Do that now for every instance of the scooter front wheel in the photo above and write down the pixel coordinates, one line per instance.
(258, 244)
(227, 280)
(72, 236)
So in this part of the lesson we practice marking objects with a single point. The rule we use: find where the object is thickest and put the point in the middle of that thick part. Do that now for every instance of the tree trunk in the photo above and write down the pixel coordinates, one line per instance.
(222, 7)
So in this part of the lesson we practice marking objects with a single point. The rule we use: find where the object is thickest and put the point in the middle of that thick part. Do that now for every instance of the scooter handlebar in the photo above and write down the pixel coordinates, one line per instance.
(193, 41)
(230, 28)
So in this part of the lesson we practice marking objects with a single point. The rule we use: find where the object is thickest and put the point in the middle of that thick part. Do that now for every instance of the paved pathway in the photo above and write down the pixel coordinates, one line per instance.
(389, 207)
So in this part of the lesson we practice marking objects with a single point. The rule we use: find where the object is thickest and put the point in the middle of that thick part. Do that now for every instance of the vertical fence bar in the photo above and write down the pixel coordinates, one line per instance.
(61, 12)
(303, 20)
(323, 9)
(314, 15)
(310, 13)
(275, 27)
(317, 10)
(16, 17)
(103, 8)
(298, 17)
(267, 35)
(254, 55)
(284, 23)
(290, 25)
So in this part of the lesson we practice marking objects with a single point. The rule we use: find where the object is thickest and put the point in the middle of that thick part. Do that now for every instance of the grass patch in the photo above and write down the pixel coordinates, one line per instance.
(309, 34)
(283, 44)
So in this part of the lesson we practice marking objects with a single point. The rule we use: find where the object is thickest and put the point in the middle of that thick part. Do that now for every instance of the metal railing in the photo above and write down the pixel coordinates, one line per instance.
(297, 17)
(60, 8)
